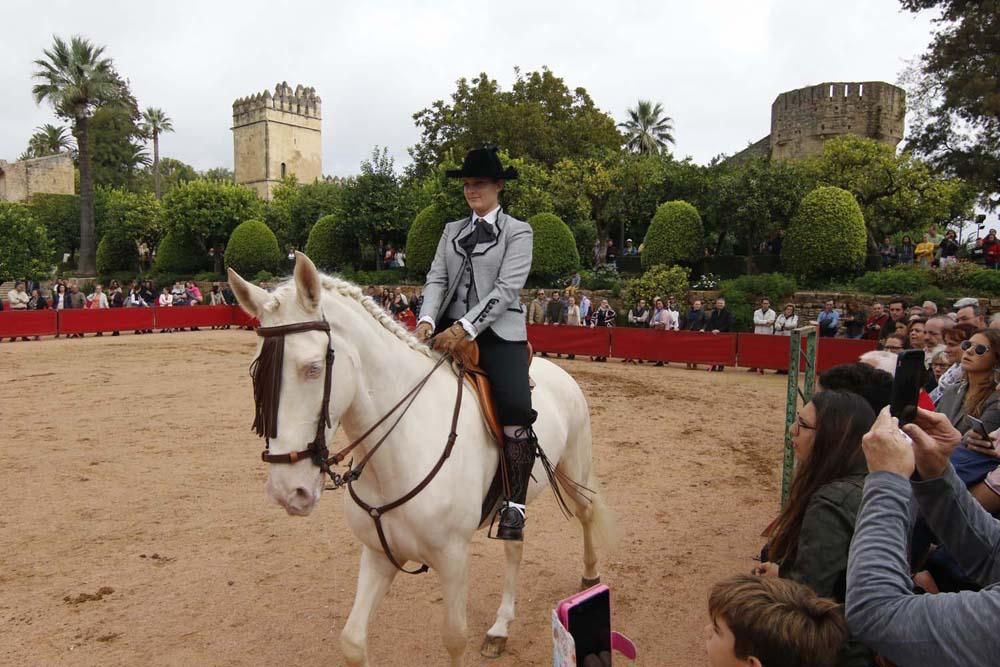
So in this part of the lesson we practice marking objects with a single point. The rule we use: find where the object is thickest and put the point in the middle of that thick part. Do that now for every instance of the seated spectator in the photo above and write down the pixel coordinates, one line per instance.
(812, 536)
(882, 609)
(877, 321)
(193, 293)
(787, 322)
(872, 384)
(895, 343)
(398, 304)
(750, 622)
(215, 297)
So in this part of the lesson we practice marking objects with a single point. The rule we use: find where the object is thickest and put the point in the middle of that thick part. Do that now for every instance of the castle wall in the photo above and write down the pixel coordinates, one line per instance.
(802, 120)
(277, 135)
(50, 174)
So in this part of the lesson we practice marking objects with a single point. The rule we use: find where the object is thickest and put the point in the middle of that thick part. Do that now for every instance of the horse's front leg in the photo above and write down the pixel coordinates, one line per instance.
(454, 575)
(496, 636)
(375, 575)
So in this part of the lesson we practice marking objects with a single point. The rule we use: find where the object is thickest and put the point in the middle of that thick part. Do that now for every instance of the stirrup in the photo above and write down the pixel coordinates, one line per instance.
(513, 532)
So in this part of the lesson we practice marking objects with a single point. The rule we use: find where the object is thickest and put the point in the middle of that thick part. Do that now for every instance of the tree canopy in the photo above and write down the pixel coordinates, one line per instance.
(648, 130)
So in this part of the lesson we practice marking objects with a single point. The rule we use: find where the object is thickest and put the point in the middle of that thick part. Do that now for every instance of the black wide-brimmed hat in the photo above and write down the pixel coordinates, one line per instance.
(483, 163)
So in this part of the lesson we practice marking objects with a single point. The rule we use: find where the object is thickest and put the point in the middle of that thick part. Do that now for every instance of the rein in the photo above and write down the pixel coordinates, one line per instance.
(266, 373)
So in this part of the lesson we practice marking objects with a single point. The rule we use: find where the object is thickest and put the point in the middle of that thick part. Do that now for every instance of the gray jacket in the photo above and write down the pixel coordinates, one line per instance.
(499, 270)
(944, 630)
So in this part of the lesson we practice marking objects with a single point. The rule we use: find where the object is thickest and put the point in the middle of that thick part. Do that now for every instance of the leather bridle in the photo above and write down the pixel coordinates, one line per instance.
(266, 373)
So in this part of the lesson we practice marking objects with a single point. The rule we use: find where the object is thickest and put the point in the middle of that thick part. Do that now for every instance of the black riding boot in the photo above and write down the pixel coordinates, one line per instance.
(519, 455)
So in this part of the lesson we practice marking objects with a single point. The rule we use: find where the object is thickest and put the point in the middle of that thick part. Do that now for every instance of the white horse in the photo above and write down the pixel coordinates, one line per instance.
(377, 361)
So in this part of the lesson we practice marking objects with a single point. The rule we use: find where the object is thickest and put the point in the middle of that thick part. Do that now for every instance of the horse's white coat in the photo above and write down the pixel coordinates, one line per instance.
(377, 362)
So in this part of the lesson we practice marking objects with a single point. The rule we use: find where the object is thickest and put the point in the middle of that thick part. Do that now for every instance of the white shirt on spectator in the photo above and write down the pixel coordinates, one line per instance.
(668, 318)
(763, 321)
(166, 300)
(101, 300)
(784, 326)
(18, 300)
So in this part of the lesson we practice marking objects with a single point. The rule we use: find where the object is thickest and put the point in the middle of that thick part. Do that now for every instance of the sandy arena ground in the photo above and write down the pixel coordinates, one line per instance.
(135, 530)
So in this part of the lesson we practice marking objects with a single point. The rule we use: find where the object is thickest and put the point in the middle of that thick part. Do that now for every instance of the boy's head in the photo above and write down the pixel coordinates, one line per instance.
(771, 622)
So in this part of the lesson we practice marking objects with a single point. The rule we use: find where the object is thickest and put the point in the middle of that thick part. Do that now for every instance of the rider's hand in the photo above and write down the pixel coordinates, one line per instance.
(423, 331)
(450, 339)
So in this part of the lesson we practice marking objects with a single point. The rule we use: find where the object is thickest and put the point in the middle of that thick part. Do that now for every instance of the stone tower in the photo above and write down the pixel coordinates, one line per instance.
(801, 120)
(276, 135)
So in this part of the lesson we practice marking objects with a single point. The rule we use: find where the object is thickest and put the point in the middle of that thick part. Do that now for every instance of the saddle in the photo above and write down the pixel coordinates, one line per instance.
(481, 386)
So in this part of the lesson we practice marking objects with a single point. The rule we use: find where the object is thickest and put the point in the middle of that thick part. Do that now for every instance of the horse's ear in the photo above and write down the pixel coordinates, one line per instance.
(251, 297)
(307, 282)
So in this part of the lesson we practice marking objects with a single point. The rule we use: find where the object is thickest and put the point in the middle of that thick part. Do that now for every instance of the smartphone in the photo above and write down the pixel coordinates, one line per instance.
(979, 427)
(587, 616)
(906, 384)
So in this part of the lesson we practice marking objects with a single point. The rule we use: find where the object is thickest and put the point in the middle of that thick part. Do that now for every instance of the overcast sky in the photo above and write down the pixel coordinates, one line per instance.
(715, 65)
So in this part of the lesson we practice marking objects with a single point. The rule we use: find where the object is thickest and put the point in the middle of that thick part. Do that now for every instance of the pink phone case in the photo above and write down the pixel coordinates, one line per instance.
(570, 602)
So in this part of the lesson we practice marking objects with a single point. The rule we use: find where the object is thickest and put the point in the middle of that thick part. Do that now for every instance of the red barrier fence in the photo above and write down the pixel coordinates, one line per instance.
(28, 323)
(745, 349)
(692, 347)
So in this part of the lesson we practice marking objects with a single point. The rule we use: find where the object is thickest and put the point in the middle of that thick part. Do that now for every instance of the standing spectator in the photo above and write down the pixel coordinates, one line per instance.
(99, 301)
(940, 363)
(924, 252)
(888, 252)
(930, 309)
(612, 255)
(787, 322)
(764, 318)
(897, 314)
(957, 630)
(399, 295)
(585, 309)
(991, 249)
(573, 318)
(227, 295)
(536, 309)
(59, 297)
(662, 319)
(948, 249)
(116, 299)
(918, 338)
(969, 313)
(854, 319)
(777, 243)
(36, 302)
(604, 316)
(630, 250)
(18, 298)
(555, 312)
(895, 343)
(694, 320)
(935, 327)
(812, 536)
(828, 321)
(135, 300)
(639, 315)
(953, 339)
(906, 251)
(215, 296)
(720, 321)
(876, 323)
(147, 292)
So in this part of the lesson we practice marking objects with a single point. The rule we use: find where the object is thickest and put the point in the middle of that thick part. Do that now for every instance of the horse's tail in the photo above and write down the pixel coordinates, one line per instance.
(604, 526)
(588, 504)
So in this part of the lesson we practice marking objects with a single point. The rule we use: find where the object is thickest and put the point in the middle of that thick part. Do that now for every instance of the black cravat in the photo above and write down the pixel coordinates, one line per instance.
(483, 233)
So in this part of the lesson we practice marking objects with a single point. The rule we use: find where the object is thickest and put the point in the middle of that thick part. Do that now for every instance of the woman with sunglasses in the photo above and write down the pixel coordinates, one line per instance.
(812, 535)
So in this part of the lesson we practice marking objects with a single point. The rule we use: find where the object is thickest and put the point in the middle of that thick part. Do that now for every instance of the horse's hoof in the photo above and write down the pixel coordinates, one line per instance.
(493, 647)
(586, 583)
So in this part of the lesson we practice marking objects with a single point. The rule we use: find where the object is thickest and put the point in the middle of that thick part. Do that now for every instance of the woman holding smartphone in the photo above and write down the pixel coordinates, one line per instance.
(812, 535)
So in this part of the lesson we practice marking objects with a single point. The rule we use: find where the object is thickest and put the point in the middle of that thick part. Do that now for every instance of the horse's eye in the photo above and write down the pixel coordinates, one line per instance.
(314, 371)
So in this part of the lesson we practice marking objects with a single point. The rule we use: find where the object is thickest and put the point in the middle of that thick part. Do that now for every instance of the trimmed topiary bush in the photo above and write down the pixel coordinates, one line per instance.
(252, 248)
(554, 254)
(827, 235)
(422, 239)
(116, 252)
(330, 244)
(675, 235)
(659, 281)
(179, 253)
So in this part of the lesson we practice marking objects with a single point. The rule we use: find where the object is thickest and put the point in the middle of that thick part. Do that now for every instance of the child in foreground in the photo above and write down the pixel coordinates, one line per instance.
(770, 622)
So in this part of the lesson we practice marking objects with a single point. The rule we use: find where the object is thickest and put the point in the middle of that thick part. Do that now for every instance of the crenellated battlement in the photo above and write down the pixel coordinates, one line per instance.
(302, 101)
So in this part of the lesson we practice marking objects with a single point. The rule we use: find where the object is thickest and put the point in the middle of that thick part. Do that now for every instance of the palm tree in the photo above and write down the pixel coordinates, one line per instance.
(648, 131)
(154, 123)
(49, 140)
(75, 79)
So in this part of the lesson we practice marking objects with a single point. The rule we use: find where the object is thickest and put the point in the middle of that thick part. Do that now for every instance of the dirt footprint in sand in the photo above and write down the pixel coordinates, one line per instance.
(89, 597)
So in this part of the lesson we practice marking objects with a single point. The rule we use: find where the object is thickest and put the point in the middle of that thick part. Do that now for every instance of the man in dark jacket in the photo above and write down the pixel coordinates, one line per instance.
(720, 321)
(694, 320)
(555, 309)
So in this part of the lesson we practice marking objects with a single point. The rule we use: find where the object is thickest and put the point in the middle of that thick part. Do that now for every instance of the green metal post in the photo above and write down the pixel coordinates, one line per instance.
(797, 364)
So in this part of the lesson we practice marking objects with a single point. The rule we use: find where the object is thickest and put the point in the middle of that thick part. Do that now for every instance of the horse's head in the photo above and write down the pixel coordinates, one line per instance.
(290, 376)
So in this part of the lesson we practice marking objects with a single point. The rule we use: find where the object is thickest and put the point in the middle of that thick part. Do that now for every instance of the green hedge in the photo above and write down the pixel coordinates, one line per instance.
(675, 235)
(827, 236)
(116, 252)
(743, 294)
(553, 254)
(896, 280)
(179, 253)
(25, 250)
(422, 239)
(252, 248)
(659, 281)
(330, 243)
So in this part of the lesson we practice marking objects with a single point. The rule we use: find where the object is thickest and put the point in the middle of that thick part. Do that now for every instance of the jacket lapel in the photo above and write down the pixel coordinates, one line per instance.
(463, 231)
(483, 248)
